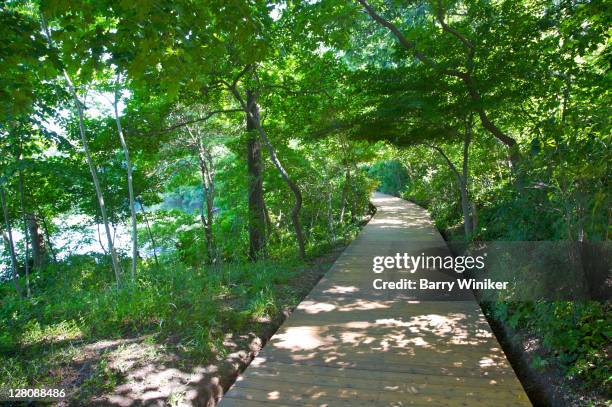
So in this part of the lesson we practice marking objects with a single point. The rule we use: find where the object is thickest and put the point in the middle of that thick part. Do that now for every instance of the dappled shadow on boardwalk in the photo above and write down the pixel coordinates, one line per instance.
(382, 353)
(348, 344)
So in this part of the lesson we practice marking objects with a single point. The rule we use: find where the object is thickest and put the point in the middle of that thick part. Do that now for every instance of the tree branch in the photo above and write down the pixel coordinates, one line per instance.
(440, 17)
(406, 43)
(188, 122)
(449, 162)
(243, 72)
(298, 91)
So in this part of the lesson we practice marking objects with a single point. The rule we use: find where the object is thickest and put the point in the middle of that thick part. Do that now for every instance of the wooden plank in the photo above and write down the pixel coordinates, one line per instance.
(376, 384)
(325, 373)
(319, 396)
(229, 401)
(412, 367)
(436, 333)
(415, 348)
(297, 398)
(378, 390)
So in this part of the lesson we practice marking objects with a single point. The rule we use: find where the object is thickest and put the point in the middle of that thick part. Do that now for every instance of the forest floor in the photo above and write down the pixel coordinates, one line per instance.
(544, 382)
(143, 371)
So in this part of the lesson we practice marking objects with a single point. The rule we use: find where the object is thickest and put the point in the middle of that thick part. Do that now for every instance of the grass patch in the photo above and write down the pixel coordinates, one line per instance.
(77, 303)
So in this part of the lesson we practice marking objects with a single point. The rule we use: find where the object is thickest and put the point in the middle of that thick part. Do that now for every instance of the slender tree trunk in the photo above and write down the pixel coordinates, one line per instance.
(90, 163)
(330, 212)
(205, 161)
(297, 194)
(48, 236)
(96, 181)
(279, 220)
(474, 216)
(398, 183)
(271, 230)
(209, 226)
(37, 242)
(465, 202)
(153, 245)
(210, 202)
(8, 239)
(315, 219)
(348, 190)
(257, 221)
(100, 239)
(345, 189)
(462, 185)
(465, 207)
(25, 228)
(354, 193)
(128, 163)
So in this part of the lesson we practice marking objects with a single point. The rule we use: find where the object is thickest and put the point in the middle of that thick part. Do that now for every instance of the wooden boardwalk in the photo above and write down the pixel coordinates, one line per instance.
(348, 344)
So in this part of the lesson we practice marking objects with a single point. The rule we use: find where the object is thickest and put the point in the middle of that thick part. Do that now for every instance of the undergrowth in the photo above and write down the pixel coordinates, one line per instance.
(77, 302)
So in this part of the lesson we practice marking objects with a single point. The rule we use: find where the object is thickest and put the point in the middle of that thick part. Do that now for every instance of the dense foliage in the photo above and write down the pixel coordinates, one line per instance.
(160, 175)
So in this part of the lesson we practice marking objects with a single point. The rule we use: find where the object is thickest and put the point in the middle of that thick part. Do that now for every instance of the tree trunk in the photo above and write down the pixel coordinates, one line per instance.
(257, 220)
(474, 217)
(250, 108)
(465, 202)
(354, 193)
(345, 189)
(208, 186)
(8, 239)
(271, 230)
(25, 229)
(146, 219)
(37, 242)
(314, 220)
(330, 209)
(96, 181)
(398, 183)
(462, 184)
(128, 163)
(48, 236)
(100, 239)
(90, 163)
(465, 207)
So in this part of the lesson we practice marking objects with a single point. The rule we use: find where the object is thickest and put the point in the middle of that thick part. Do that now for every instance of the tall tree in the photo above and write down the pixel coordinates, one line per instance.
(257, 220)
(8, 240)
(251, 108)
(79, 105)
(128, 163)
(462, 178)
(24, 218)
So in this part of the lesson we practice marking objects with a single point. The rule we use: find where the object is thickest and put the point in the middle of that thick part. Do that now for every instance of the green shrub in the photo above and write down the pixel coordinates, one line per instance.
(575, 335)
(391, 175)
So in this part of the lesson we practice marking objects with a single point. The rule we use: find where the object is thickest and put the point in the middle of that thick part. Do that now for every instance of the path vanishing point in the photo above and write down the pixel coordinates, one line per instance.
(347, 344)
